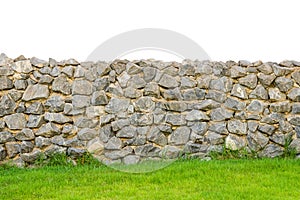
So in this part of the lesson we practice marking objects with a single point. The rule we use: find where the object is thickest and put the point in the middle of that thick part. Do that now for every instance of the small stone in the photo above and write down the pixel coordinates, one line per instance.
(255, 106)
(38, 62)
(234, 142)
(7, 105)
(180, 136)
(196, 115)
(174, 94)
(216, 96)
(26, 146)
(68, 70)
(266, 80)
(294, 94)
(12, 149)
(127, 132)
(152, 89)
(132, 68)
(257, 140)
(203, 68)
(36, 91)
(35, 108)
(176, 119)
(266, 128)
(219, 127)
(3, 153)
(294, 120)
(6, 83)
(203, 81)
(25, 134)
(220, 114)
(15, 121)
(249, 81)
(31, 157)
(285, 126)
(155, 135)
(94, 111)
(271, 151)
(168, 81)
(57, 118)
(281, 71)
(95, 147)
(99, 98)
(276, 95)
(54, 149)
(191, 147)
(214, 138)
(56, 71)
(48, 130)
(239, 91)
(284, 84)
(84, 122)
(280, 107)
(236, 72)
(187, 82)
(252, 125)
(237, 127)
(296, 108)
(265, 68)
(295, 144)
(131, 159)
(86, 134)
(144, 104)
(296, 77)
(223, 84)
(75, 152)
(6, 137)
(193, 94)
(234, 104)
(132, 93)
(279, 139)
(82, 87)
(62, 84)
(23, 66)
(136, 82)
(113, 143)
(147, 150)
(177, 106)
(80, 101)
(55, 104)
(117, 105)
(20, 84)
(149, 73)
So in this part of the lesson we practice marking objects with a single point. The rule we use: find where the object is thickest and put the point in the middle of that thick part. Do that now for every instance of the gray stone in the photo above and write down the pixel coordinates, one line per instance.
(295, 144)
(234, 142)
(237, 127)
(68, 70)
(196, 115)
(6, 136)
(255, 106)
(131, 159)
(46, 79)
(15, 121)
(94, 111)
(177, 106)
(25, 134)
(193, 94)
(266, 80)
(26, 146)
(147, 150)
(48, 130)
(35, 108)
(95, 146)
(55, 71)
(170, 152)
(75, 152)
(234, 104)
(257, 140)
(144, 104)
(155, 135)
(294, 94)
(180, 136)
(187, 82)
(206, 105)
(114, 155)
(36, 91)
(116, 105)
(239, 91)
(86, 134)
(152, 89)
(15, 95)
(280, 107)
(296, 108)
(214, 138)
(6, 71)
(132, 93)
(168, 81)
(267, 128)
(294, 120)
(273, 118)
(297, 130)
(113, 143)
(104, 119)
(265, 68)
(127, 132)
(140, 119)
(119, 124)
(223, 84)
(285, 126)
(203, 68)
(20, 84)
(6, 83)
(62, 84)
(123, 79)
(149, 73)
(252, 125)
(23, 66)
(132, 68)
(174, 94)
(279, 139)
(216, 96)
(54, 149)
(101, 83)
(249, 81)
(31, 157)
(12, 149)
(136, 82)
(271, 151)
(176, 119)
(281, 71)
(237, 71)
(218, 127)
(2, 125)
(220, 114)
(79, 72)
(3, 153)
(55, 104)
(7, 105)
(276, 95)
(80, 101)
(38, 62)
(57, 118)
(191, 147)
(284, 84)
(82, 87)
(203, 81)
(296, 77)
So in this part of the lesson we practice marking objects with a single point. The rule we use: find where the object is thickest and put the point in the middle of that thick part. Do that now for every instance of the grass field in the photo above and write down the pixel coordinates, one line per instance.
(189, 179)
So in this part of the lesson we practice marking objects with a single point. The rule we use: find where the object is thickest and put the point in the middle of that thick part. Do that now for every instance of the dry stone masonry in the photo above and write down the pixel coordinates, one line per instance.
(129, 111)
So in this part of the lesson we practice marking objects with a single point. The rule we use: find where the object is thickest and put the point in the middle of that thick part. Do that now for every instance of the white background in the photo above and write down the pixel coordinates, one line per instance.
(266, 30)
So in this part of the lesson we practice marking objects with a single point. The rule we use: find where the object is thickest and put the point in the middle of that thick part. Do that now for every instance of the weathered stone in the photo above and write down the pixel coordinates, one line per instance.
(273, 118)
(257, 140)
(57, 118)
(214, 138)
(116, 105)
(82, 87)
(295, 144)
(271, 151)
(265, 68)
(26, 146)
(6, 136)
(296, 108)
(35, 108)
(176, 119)
(294, 120)
(237, 127)
(239, 91)
(6, 83)
(219, 127)
(203, 81)
(249, 81)
(206, 105)
(12, 149)
(56, 71)
(152, 89)
(220, 114)
(69, 130)
(255, 106)
(140, 119)
(196, 115)
(144, 104)
(113, 143)
(20, 84)
(95, 146)
(136, 82)
(15, 121)
(234, 104)
(276, 95)
(54, 149)
(170, 152)
(75, 152)
(296, 77)
(31, 157)
(147, 150)
(48, 130)
(94, 111)
(281, 71)
(223, 84)
(191, 147)
(101, 83)
(172, 94)
(149, 73)
(132, 68)
(127, 132)
(86, 134)
(23, 66)
(80, 101)
(55, 104)
(168, 81)
(193, 94)
(252, 126)
(36, 91)
(203, 68)
(279, 139)
(180, 136)
(62, 84)
(131, 159)
(284, 84)
(187, 82)
(7, 105)
(155, 135)
(266, 80)
(132, 93)
(177, 106)
(234, 142)
(104, 119)
(3, 153)
(216, 96)
(294, 94)
(25, 134)
(266, 128)
(281, 107)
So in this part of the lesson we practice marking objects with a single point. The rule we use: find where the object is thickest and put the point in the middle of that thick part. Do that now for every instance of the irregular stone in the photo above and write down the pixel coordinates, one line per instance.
(168, 81)
(15, 121)
(140, 119)
(31, 157)
(147, 150)
(132, 93)
(180, 136)
(237, 127)
(280, 107)
(101, 83)
(220, 114)
(94, 111)
(55, 104)
(127, 132)
(99, 98)
(149, 73)
(219, 127)
(252, 125)
(36, 91)
(95, 146)
(294, 94)
(266, 80)
(273, 118)
(170, 152)
(35, 108)
(25, 134)
(26, 146)
(193, 94)
(276, 95)
(203, 68)
(203, 81)
(86, 134)
(7, 105)
(132, 68)
(281, 71)
(155, 135)
(279, 139)
(48, 130)
(187, 82)
(116, 105)
(234, 142)
(19, 84)
(3, 153)
(12, 149)
(234, 104)
(176, 119)
(271, 151)
(296, 77)
(172, 94)
(295, 144)
(152, 89)
(216, 96)
(113, 143)
(266, 128)
(177, 106)
(23, 66)
(82, 87)
(75, 152)
(249, 81)
(62, 84)
(237, 71)
(80, 101)
(223, 84)
(136, 82)
(214, 138)
(294, 120)
(191, 147)
(257, 140)
(285, 126)
(296, 108)
(6, 136)
(255, 106)
(56, 71)
(131, 159)
(196, 115)
(144, 104)
(68, 70)
(265, 68)
(55, 149)
(239, 91)
(57, 118)
(284, 84)
(6, 83)
(104, 119)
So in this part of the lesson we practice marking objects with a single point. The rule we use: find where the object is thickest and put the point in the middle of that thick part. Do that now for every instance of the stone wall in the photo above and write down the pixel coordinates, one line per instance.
(129, 111)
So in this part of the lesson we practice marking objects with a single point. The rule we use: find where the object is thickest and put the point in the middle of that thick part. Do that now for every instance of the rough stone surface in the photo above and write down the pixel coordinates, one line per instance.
(15, 121)
(37, 91)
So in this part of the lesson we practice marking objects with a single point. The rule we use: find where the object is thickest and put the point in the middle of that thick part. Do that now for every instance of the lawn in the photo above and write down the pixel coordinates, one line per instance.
(188, 179)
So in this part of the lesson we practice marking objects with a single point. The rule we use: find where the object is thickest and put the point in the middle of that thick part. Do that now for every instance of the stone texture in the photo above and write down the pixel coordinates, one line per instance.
(249, 81)
(62, 84)
(168, 81)
(294, 94)
(15, 121)
(237, 127)
(116, 105)
(23, 66)
(239, 91)
(234, 142)
(180, 136)
(37, 91)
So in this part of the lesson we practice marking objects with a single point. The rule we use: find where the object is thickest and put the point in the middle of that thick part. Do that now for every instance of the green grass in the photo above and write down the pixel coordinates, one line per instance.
(189, 179)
